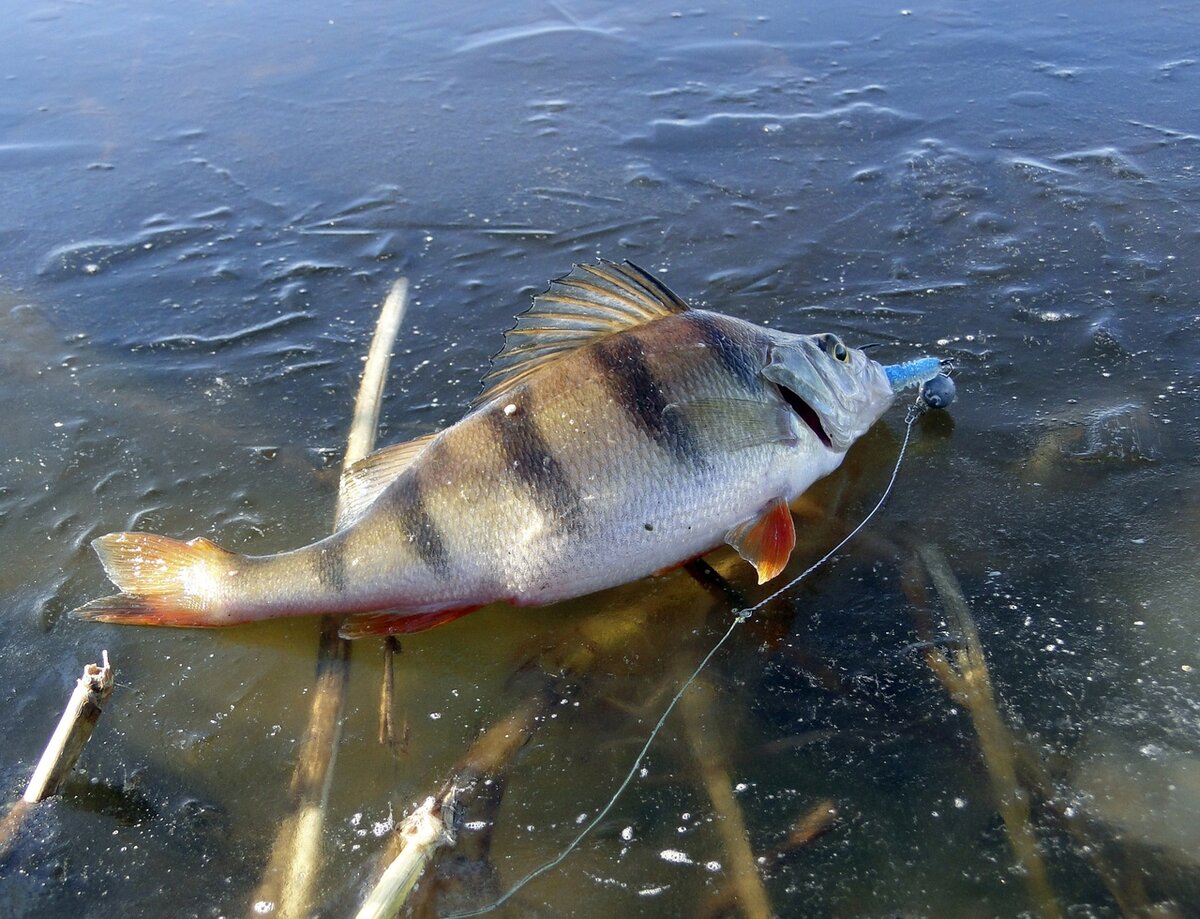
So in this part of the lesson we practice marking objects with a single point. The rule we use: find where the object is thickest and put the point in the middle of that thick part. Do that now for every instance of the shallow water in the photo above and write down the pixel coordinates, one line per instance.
(201, 207)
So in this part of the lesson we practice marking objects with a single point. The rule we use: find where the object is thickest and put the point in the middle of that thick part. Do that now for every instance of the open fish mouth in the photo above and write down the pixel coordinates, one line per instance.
(807, 414)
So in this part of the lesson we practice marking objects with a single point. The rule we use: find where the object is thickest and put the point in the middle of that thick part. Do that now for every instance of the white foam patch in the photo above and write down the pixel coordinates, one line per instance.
(652, 891)
(675, 857)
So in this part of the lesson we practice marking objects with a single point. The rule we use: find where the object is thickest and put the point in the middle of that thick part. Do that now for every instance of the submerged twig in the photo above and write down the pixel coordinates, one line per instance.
(968, 682)
(92, 692)
(818, 821)
(288, 881)
(811, 825)
(699, 718)
(387, 699)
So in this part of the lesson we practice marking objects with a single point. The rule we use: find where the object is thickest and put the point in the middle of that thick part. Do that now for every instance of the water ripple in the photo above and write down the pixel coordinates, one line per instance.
(93, 256)
(800, 128)
(229, 338)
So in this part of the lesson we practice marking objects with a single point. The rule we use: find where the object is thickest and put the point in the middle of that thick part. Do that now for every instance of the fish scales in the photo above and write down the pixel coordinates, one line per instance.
(563, 475)
(641, 445)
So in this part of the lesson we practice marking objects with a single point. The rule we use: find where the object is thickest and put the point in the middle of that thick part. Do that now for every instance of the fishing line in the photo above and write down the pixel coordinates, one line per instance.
(740, 616)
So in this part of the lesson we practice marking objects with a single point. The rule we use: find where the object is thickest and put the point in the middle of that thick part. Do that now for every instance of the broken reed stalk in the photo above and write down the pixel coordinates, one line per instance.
(419, 836)
(490, 755)
(287, 884)
(92, 692)
(818, 821)
(700, 720)
(424, 831)
(968, 683)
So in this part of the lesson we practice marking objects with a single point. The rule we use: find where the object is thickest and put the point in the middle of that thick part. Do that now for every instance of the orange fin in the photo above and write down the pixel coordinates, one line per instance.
(126, 609)
(162, 581)
(367, 625)
(766, 541)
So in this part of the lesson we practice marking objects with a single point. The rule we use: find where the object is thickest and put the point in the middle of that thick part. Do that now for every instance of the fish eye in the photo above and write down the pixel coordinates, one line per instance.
(834, 346)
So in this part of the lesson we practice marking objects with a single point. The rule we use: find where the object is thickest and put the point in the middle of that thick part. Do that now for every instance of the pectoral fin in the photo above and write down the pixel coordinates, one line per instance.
(766, 541)
(733, 424)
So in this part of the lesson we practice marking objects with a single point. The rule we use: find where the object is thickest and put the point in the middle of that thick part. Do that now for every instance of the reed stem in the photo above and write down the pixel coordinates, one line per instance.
(700, 718)
(287, 885)
(969, 683)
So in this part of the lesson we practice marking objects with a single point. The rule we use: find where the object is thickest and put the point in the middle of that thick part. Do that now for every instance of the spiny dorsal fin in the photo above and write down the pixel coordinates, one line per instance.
(365, 480)
(590, 302)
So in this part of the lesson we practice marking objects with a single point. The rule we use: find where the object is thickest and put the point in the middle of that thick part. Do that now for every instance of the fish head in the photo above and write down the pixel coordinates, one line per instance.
(837, 391)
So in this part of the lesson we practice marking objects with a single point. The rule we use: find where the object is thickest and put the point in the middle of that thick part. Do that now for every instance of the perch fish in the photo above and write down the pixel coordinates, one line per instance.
(620, 433)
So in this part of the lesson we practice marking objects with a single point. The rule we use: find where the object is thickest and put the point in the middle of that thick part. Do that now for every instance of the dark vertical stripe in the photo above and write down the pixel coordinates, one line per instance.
(407, 498)
(329, 564)
(735, 356)
(528, 457)
(633, 386)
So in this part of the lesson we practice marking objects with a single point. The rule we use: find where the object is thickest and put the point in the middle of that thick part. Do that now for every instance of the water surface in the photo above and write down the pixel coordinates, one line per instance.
(201, 207)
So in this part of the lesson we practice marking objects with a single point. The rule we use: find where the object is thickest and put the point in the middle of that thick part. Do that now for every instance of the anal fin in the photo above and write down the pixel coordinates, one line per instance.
(381, 624)
(766, 541)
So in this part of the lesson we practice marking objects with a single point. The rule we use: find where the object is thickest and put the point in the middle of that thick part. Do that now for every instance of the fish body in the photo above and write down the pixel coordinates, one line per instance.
(621, 433)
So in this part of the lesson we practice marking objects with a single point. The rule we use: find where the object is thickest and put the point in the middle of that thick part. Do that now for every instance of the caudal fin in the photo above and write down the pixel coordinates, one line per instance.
(162, 581)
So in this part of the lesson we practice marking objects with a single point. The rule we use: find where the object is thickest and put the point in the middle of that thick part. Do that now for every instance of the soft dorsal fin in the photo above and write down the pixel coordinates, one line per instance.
(590, 302)
(766, 541)
(365, 480)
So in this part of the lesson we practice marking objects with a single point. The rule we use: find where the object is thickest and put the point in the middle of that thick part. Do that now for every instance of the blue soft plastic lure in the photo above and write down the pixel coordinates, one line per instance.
(937, 389)
(912, 373)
